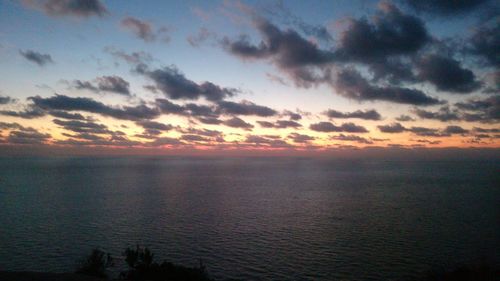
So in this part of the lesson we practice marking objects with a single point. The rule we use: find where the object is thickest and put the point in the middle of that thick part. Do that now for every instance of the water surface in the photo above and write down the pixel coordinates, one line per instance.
(253, 218)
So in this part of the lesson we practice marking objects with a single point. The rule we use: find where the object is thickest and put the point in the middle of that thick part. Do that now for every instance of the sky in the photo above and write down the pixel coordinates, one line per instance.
(248, 76)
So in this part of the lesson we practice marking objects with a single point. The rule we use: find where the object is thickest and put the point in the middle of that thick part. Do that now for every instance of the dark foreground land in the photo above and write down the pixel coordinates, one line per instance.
(459, 274)
(44, 276)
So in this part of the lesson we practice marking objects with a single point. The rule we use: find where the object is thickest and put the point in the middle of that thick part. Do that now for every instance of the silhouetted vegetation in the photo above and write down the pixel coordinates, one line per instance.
(142, 267)
(96, 264)
(481, 272)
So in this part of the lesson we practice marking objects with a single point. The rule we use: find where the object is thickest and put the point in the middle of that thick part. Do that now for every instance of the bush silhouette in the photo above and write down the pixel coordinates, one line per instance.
(142, 267)
(96, 264)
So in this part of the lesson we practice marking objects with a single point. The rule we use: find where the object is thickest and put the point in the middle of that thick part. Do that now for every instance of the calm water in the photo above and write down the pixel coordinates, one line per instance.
(254, 219)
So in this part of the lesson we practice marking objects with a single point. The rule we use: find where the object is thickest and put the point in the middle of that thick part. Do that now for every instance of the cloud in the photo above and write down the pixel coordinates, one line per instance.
(165, 141)
(351, 84)
(67, 115)
(6, 100)
(272, 141)
(392, 128)
(279, 124)
(113, 84)
(390, 33)
(366, 115)
(422, 131)
(202, 36)
(65, 103)
(27, 137)
(175, 85)
(146, 124)
(245, 108)
(404, 118)
(445, 7)
(133, 58)
(300, 138)
(286, 49)
(29, 112)
(82, 126)
(455, 130)
(444, 114)
(36, 57)
(8, 126)
(76, 8)
(352, 138)
(144, 30)
(447, 74)
(330, 127)
(236, 122)
(485, 43)
(292, 115)
(483, 110)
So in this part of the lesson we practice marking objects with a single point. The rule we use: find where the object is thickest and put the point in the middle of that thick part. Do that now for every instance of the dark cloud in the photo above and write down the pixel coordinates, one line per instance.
(245, 108)
(404, 118)
(203, 132)
(84, 85)
(286, 49)
(444, 114)
(292, 115)
(210, 120)
(330, 127)
(486, 130)
(165, 141)
(390, 33)
(236, 122)
(422, 131)
(455, 130)
(351, 84)
(77, 8)
(392, 128)
(300, 138)
(169, 107)
(9, 126)
(485, 43)
(6, 100)
(36, 57)
(427, 132)
(113, 84)
(27, 137)
(65, 103)
(279, 124)
(67, 115)
(367, 114)
(445, 7)
(175, 85)
(146, 124)
(30, 112)
(195, 138)
(82, 126)
(144, 30)
(447, 74)
(198, 110)
(272, 141)
(482, 110)
(352, 138)
(394, 70)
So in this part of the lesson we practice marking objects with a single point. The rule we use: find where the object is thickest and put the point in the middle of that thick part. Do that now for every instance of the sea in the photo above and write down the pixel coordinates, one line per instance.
(253, 218)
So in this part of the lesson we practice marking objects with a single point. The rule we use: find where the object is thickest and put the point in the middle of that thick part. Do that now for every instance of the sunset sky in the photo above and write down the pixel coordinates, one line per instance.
(249, 75)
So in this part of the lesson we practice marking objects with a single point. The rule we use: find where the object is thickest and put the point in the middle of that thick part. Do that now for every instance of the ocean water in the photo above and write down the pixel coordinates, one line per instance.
(253, 218)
